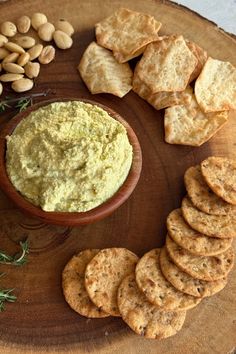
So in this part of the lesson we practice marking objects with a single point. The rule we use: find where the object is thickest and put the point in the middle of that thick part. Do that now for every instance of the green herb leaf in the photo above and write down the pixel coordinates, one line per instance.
(18, 259)
(6, 295)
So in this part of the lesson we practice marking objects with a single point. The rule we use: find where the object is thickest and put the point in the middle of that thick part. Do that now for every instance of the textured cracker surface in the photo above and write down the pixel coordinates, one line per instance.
(201, 56)
(202, 195)
(207, 268)
(104, 274)
(193, 241)
(188, 125)
(166, 65)
(221, 226)
(215, 88)
(220, 175)
(127, 33)
(144, 318)
(73, 285)
(163, 99)
(156, 288)
(184, 282)
(102, 73)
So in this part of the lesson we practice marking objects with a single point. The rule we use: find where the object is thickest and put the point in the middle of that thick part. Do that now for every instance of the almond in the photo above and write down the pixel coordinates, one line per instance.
(45, 31)
(62, 40)
(38, 19)
(64, 26)
(47, 55)
(25, 41)
(35, 51)
(13, 47)
(13, 68)
(22, 85)
(23, 59)
(10, 77)
(3, 53)
(1, 88)
(8, 29)
(32, 70)
(3, 40)
(23, 24)
(11, 58)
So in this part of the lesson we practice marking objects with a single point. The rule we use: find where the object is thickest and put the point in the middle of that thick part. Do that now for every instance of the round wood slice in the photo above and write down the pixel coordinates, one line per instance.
(41, 321)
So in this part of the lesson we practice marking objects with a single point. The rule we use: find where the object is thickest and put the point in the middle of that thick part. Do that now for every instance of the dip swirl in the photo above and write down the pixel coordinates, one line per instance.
(68, 156)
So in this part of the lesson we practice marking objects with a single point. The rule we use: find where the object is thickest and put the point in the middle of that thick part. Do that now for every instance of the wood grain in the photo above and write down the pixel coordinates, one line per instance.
(41, 321)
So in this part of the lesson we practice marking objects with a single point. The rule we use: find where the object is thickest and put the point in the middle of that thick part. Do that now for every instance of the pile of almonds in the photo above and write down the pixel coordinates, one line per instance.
(19, 52)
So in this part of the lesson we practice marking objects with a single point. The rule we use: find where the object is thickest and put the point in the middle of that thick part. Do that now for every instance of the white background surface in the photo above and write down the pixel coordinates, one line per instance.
(222, 12)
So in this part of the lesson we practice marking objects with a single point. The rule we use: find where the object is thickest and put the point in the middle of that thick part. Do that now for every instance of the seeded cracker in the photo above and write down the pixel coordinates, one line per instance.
(73, 285)
(160, 100)
(104, 274)
(166, 65)
(188, 125)
(184, 282)
(156, 288)
(193, 241)
(102, 73)
(127, 33)
(144, 318)
(220, 175)
(222, 226)
(215, 88)
(201, 267)
(202, 196)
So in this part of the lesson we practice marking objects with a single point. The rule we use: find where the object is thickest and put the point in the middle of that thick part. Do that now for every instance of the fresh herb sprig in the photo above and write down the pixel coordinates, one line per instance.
(19, 258)
(6, 296)
(20, 103)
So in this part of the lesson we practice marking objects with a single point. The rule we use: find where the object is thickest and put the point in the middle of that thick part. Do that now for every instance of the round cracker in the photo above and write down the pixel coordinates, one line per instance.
(184, 282)
(144, 318)
(221, 226)
(104, 274)
(201, 267)
(193, 241)
(157, 289)
(220, 175)
(202, 196)
(73, 285)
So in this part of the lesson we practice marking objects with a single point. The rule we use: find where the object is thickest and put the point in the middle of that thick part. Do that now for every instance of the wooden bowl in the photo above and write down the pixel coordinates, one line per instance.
(71, 218)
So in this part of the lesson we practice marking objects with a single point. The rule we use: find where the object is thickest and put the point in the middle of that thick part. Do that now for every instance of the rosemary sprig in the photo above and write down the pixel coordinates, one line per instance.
(21, 103)
(6, 295)
(18, 259)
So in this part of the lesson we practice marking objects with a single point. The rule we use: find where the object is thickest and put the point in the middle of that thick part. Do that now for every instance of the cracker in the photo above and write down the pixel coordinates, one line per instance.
(188, 125)
(156, 288)
(202, 196)
(144, 318)
(184, 282)
(221, 226)
(127, 33)
(209, 268)
(163, 99)
(102, 73)
(104, 274)
(193, 241)
(73, 285)
(201, 56)
(215, 88)
(166, 65)
(220, 174)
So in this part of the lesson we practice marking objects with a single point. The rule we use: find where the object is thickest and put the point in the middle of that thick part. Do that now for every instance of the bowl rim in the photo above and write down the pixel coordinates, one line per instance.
(71, 218)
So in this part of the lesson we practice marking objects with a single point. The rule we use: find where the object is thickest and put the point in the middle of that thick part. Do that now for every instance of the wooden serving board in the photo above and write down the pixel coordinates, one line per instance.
(41, 321)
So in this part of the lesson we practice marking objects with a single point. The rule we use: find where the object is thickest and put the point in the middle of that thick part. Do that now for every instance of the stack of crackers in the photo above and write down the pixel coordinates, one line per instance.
(173, 73)
(153, 293)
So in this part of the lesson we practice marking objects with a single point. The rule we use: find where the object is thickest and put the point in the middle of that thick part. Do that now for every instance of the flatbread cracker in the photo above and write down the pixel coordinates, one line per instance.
(220, 174)
(144, 318)
(193, 241)
(188, 125)
(221, 226)
(184, 282)
(209, 268)
(157, 289)
(160, 100)
(201, 56)
(202, 196)
(102, 73)
(215, 88)
(73, 285)
(166, 65)
(104, 274)
(127, 33)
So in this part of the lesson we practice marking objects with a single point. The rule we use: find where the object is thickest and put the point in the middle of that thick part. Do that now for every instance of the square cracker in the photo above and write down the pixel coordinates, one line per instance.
(167, 65)
(189, 125)
(102, 73)
(201, 56)
(127, 33)
(163, 99)
(215, 88)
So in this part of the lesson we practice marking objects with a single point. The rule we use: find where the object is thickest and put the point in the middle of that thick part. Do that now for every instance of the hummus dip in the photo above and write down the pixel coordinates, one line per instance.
(68, 156)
